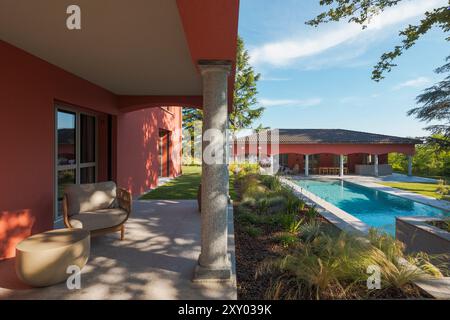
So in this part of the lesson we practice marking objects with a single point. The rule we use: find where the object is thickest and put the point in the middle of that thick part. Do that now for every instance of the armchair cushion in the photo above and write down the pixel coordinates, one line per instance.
(90, 197)
(98, 219)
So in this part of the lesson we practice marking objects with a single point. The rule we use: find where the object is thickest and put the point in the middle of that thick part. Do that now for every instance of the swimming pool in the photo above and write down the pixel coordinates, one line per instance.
(376, 208)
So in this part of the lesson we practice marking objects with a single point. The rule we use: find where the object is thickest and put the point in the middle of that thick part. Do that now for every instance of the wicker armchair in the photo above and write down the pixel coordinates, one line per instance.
(99, 208)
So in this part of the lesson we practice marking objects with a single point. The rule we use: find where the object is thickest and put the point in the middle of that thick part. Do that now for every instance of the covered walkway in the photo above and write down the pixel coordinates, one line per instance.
(155, 261)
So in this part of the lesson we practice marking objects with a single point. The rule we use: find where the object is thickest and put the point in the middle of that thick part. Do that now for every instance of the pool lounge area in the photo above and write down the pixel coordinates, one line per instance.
(375, 208)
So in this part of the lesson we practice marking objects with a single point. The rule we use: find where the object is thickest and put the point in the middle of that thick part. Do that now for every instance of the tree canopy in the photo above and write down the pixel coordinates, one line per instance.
(362, 11)
(245, 105)
(435, 106)
(429, 160)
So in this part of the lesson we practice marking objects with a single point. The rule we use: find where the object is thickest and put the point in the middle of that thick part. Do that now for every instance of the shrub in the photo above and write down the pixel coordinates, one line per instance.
(248, 202)
(294, 227)
(246, 168)
(310, 230)
(301, 205)
(252, 187)
(335, 267)
(291, 205)
(262, 206)
(285, 220)
(234, 167)
(391, 247)
(287, 239)
(393, 250)
(276, 204)
(252, 231)
(271, 182)
(312, 213)
(250, 218)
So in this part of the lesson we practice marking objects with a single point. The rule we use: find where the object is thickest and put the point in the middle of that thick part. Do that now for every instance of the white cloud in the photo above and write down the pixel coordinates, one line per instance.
(290, 102)
(284, 52)
(419, 82)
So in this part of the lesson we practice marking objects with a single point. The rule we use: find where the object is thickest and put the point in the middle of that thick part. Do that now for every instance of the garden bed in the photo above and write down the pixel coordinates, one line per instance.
(441, 224)
(286, 250)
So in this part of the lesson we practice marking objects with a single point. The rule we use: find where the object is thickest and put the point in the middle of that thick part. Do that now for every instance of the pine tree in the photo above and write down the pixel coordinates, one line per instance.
(244, 111)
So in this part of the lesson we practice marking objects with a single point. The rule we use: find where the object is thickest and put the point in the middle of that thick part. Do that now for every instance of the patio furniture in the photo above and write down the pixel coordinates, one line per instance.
(97, 207)
(42, 259)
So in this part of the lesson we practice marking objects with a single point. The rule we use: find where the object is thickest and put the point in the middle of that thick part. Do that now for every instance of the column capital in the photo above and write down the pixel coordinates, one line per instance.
(206, 66)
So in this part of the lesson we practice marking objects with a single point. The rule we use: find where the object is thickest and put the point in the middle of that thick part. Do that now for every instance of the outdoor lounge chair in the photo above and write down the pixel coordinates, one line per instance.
(97, 207)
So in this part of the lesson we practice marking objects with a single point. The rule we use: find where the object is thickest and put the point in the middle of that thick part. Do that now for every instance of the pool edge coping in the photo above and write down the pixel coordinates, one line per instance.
(338, 217)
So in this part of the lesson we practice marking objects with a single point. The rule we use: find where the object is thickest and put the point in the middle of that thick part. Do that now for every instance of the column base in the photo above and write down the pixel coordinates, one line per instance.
(206, 274)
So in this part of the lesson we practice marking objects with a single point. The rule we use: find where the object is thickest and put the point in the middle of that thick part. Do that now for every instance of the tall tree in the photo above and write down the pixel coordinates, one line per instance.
(245, 105)
(435, 106)
(362, 11)
(191, 116)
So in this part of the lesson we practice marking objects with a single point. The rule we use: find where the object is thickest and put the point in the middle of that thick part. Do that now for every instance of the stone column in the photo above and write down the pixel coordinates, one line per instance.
(341, 165)
(213, 262)
(410, 159)
(306, 165)
(375, 157)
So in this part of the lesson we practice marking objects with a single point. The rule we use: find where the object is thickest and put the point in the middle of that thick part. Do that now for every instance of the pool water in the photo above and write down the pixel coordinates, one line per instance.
(375, 208)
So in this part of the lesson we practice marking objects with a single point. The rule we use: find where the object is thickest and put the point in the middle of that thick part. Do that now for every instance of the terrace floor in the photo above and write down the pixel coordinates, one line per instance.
(155, 261)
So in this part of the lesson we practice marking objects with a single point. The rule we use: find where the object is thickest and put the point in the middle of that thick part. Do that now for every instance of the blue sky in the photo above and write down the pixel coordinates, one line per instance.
(320, 77)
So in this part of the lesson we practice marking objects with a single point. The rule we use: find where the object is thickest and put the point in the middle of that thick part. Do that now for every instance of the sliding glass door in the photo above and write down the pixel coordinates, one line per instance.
(76, 151)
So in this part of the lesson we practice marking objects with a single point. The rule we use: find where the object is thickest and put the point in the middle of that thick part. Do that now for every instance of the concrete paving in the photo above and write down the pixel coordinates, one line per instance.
(155, 261)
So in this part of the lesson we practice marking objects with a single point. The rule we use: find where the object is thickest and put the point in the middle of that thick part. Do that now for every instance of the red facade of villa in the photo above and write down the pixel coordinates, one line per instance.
(27, 131)
(323, 147)
(137, 133)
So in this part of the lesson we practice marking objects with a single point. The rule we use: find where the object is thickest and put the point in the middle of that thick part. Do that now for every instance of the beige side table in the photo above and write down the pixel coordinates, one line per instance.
(42, 259)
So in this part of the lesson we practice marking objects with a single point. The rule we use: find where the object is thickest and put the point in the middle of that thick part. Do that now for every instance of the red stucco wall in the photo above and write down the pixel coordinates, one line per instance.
(138, 161)
(29, 88)
(294, 159)
(327, 160)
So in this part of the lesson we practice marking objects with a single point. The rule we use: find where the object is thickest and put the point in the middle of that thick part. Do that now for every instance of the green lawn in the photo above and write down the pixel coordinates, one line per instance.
(427, 189)
(183, 187)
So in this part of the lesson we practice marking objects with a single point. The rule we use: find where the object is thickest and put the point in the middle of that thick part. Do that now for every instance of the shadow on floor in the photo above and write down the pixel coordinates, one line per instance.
(155, 261)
